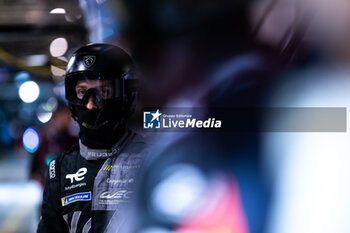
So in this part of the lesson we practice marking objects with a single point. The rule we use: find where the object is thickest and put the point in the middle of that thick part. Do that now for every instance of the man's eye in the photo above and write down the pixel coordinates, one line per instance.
(81, 93)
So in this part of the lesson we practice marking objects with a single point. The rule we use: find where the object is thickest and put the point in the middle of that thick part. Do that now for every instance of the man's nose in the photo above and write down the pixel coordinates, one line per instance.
(91, 104)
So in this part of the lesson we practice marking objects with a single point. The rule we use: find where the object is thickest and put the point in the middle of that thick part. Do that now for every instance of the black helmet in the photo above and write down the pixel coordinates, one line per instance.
(101, 62)
(104, 73)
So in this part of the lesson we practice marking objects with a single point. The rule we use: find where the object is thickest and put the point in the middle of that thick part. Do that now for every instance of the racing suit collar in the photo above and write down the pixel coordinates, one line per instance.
(96, 154)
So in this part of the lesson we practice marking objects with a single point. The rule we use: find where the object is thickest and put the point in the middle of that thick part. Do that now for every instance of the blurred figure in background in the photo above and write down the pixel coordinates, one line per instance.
(56, 137)
(200, 54)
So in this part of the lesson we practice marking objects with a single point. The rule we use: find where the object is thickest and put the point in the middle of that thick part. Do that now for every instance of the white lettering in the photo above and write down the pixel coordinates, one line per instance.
(78, 176)
(117, 195)
(164, 124)
(52, 170)
(114, 182)
(181, 124)
(206, 124)
(191, 123)
(174, 123)
(218, 124)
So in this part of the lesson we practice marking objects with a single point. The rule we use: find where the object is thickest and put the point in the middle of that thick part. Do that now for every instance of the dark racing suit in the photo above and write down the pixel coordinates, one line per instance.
(87, 190)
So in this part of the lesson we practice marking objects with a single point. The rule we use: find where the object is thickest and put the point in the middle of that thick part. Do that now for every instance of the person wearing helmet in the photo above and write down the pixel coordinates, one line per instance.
(88, 188)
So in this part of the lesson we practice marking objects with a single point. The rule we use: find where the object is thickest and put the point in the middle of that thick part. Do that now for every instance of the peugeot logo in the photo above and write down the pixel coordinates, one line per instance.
(89, 60)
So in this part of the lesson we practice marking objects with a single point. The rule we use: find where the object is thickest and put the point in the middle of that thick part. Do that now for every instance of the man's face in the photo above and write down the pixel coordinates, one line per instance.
(104, 88)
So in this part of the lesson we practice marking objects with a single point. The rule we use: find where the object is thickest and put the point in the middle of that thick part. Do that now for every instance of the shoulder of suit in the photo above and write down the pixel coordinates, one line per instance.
(137, 145)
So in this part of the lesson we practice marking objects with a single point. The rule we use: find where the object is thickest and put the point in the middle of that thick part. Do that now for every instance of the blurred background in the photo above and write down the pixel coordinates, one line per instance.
(311, 37)
(36, 40)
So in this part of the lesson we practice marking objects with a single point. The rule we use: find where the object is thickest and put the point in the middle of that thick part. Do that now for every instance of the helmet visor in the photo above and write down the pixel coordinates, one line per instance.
(101, 87)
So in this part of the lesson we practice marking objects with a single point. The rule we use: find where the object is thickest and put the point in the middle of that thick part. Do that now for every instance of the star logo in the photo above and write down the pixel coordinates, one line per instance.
(151, 120)
(156, 115)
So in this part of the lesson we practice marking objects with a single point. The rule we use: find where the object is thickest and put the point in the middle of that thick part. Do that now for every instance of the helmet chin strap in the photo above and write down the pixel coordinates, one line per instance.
(98, 118)
(102, 138)
(96, 124)
(88, 126)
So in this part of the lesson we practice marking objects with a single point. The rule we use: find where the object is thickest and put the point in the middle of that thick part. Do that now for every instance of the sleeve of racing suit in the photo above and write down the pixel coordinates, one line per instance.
(51, 220)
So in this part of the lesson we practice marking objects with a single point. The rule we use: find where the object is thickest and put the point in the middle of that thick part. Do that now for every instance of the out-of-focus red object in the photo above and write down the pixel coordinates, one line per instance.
(220, 211)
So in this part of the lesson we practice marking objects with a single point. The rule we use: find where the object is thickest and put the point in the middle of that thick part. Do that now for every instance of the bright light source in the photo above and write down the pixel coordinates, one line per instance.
(20, 193)
(58, 11)
(36, 60)
(44, 117)
(72, 17)
(50, 105)
(57, 71)
(100, 1)
(58, 47)
(62, 58)
(21, 77)
(29, 91)
(30, 140)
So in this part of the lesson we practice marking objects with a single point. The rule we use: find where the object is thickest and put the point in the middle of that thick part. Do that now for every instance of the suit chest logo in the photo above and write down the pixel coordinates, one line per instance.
(78, 176)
